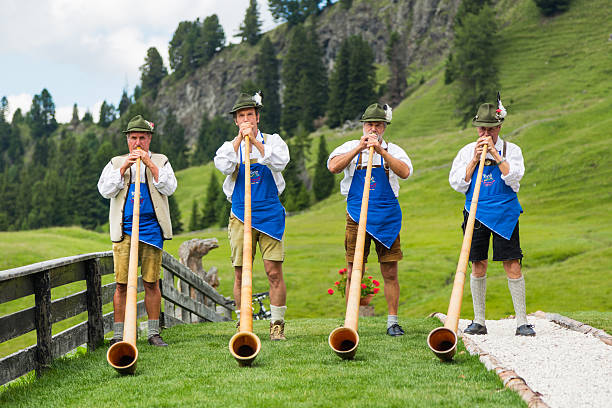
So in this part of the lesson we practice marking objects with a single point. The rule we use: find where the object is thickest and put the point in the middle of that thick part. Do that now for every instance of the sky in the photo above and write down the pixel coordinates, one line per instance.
(86, 52)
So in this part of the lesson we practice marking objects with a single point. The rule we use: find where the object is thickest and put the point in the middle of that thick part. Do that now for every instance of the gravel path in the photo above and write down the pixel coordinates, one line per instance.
(568, 368)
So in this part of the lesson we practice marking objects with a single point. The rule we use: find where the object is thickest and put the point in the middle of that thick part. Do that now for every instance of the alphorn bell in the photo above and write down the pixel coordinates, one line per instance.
(443, 340)
(344, 340)
(122, 355)
(245, 345)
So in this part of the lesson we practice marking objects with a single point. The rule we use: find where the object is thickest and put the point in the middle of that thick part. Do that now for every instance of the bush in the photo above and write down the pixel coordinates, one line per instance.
(551, 7)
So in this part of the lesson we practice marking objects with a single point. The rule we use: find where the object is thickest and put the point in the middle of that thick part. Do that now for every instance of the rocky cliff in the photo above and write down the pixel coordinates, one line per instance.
(425, 27)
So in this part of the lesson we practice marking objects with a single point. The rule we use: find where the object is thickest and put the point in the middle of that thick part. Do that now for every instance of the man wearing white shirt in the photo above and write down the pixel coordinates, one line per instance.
(497, 213)
(269, 156)
(390, 163)
(157, 182)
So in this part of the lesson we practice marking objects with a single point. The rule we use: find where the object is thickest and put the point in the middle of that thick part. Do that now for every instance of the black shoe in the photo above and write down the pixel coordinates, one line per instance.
(156, 340)
(113, 341)
(525, 330)
(395, 330)
(475, 328)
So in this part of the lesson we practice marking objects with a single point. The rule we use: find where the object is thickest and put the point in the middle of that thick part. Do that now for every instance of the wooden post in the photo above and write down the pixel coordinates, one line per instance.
(95, 324)
(42, 320)
(169, 279)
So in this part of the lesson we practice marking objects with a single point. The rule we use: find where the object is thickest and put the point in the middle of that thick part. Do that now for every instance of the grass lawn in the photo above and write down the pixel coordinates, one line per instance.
(198, 370)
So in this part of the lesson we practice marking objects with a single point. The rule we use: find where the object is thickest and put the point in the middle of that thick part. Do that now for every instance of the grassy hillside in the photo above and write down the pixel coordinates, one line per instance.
(555, 78)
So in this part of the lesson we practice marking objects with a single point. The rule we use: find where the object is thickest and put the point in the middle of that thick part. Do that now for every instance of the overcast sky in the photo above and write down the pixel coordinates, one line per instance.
(86, 51)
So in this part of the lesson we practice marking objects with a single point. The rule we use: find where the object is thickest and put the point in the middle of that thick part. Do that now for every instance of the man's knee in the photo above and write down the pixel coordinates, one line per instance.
(121, 288)
(479, 268)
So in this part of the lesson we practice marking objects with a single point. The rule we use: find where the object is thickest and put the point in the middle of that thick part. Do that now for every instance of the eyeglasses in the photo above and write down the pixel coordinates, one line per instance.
(485, 129)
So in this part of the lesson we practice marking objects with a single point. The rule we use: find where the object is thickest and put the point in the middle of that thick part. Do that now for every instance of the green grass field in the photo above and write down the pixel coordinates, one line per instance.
(198, 370)
(555, 78)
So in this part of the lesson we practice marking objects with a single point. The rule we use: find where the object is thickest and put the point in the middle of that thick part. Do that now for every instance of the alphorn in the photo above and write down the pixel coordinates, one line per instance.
(122, 355)
(245, 345)
(344, 340)
(443, 340)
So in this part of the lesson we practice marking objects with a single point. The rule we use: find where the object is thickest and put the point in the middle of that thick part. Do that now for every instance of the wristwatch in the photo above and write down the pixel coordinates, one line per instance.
(501, 161)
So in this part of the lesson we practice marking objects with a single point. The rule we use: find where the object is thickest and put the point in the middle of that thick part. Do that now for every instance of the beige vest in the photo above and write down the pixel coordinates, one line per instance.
(160, 201)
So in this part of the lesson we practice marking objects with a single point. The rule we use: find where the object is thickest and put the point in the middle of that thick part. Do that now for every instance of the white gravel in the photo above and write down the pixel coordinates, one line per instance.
(568, 368)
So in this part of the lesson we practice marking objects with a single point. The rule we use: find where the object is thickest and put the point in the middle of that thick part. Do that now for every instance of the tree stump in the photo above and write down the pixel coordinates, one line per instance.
(190, 255)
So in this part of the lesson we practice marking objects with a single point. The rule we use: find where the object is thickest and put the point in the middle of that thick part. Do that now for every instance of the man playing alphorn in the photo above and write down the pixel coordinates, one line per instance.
(157, 182)
(497, 213)
(384, 221)
(269, 156)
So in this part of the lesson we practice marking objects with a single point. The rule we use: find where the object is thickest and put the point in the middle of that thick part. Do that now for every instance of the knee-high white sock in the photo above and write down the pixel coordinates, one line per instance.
(517, 290)
(237, 314)
(118, 330)
(278, 313)
(391, 320)
(478, 286)
(153, 328)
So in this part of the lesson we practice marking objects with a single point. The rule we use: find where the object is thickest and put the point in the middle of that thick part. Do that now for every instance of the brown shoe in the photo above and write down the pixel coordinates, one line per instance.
(156, 340)
(277, 330)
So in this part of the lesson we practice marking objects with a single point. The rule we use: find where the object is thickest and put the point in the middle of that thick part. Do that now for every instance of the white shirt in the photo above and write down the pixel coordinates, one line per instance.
(276, 158)
(514, 157)
(111, 182)
(394, 150)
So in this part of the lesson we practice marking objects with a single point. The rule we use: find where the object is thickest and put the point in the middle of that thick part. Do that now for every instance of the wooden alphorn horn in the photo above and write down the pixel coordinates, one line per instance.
(245, 345)
(122, 355)
(443, 340)
(344, 340)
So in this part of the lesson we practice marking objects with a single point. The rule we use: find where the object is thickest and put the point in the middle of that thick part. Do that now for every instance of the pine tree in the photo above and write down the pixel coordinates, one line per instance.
(292, 68)
(296, 197)
(223, 207)
(313, 83)
(107, 114)
(152, 72)
(173, 143)
(175, 215)
(209, 210)
(4, 109)
(124, 103)
(194, 220)
(361, 78)
(211, 136)
(475, 69)
(75, 116)
(180, 50)
(42, 115)
(338, 86)
(293, 11)
(87, 117)
(396, 85)
(267, 77)
(211, 40)
(250, 29)
(323, 178)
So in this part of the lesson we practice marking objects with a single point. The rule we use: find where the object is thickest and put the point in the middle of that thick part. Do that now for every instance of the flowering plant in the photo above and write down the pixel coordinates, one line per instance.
(369, 285)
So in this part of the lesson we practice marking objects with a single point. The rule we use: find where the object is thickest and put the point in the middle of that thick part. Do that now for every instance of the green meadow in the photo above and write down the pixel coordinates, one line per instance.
(555, 82)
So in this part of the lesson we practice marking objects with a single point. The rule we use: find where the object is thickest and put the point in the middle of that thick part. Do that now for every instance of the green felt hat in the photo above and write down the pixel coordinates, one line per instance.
(488, 115)
(139, 124)
(377, 113)
(247, 101)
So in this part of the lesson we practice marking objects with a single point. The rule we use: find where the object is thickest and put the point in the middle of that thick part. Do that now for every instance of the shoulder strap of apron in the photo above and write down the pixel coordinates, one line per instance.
(504, 150)
(235, 173)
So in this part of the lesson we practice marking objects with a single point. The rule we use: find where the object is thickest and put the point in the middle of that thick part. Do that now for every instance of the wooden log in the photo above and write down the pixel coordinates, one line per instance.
(17, 364)
(191, 305)
(168, 278)
(42, 320)
(95, 327)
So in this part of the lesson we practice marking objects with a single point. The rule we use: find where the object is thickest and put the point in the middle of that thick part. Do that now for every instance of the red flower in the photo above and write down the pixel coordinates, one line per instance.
(375, 282)
(336, 283)
(497, 110)
(369, 277)
(363, 286)
(330, 291)
(341, 271)
(376, 290)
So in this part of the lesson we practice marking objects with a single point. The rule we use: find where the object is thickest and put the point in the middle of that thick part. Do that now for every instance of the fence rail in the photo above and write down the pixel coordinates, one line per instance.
(38, 280)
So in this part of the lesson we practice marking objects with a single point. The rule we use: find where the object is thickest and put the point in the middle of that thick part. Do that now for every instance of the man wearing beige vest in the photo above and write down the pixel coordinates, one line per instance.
(157, 182)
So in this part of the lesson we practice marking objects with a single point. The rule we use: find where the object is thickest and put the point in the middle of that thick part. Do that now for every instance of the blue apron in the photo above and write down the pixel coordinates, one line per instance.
(267, 212)
(384, 220)
(149, 230)
(498, 206)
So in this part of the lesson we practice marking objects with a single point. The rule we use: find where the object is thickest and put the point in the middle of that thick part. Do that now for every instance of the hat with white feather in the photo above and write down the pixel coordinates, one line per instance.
(248, 101)
(377, 113)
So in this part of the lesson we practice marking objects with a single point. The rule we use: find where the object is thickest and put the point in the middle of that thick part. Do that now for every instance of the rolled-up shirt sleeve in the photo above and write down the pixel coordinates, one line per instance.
(515, 160)
(110, 182)
(456, 177)
(166, 180)
(276, 153)
(226, 158)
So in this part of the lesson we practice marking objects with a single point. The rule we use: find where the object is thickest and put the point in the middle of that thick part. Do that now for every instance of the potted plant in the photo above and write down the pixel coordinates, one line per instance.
(369, 287)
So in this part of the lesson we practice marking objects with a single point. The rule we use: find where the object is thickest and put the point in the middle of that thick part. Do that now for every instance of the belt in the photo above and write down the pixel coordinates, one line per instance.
(489, 162)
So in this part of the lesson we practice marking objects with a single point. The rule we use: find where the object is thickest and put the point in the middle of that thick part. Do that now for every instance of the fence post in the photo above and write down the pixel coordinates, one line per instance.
(169, 279)
(42, 320)
(95, 323)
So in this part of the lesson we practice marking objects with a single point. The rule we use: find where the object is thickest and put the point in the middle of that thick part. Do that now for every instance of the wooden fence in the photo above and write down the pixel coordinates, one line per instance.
(38, 280)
